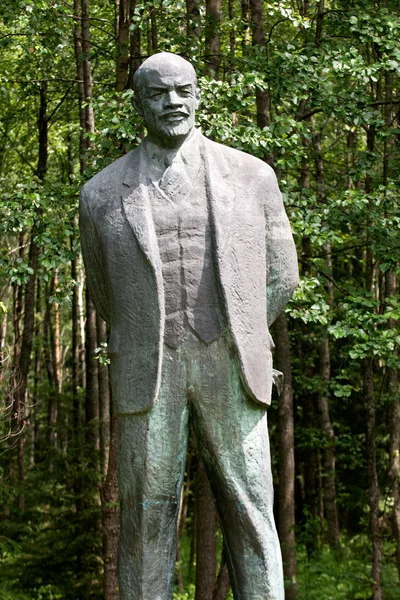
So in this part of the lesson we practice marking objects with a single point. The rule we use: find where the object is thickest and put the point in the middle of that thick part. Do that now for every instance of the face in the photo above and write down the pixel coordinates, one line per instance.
(168, 101)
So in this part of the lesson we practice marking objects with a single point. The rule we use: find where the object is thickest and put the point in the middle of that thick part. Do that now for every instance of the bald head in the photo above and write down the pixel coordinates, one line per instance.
(163, 64)
(166, 95)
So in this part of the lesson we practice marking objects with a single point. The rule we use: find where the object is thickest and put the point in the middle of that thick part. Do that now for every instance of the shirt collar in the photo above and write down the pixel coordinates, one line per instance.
(160, 158)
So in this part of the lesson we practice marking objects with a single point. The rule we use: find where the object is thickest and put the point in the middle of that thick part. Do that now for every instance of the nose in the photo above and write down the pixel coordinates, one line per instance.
(172, 99)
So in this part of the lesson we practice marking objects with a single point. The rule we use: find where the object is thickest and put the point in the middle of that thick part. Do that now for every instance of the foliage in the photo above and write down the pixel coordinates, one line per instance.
(344, 576)
(333, 138)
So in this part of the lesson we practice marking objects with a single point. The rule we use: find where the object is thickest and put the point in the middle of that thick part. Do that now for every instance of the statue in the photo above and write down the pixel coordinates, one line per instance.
(189, 259)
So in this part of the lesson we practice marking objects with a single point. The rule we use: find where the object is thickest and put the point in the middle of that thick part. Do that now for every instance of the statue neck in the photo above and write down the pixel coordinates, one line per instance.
(165, 153)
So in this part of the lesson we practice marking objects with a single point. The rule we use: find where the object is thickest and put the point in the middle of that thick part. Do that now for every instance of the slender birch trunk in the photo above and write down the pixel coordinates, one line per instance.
(286, 527)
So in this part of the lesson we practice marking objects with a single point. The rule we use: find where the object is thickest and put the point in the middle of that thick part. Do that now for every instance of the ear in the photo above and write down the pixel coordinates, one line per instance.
(198, 95)
(137, 104)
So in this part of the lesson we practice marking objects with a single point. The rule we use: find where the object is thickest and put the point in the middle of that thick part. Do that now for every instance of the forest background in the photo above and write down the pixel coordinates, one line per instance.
(311, 87)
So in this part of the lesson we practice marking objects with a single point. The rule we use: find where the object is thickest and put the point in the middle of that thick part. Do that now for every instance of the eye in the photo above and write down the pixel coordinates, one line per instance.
(185, 92)
(155, 93)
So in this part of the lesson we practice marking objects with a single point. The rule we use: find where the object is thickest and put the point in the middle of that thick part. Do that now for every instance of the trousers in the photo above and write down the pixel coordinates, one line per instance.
(200, 383)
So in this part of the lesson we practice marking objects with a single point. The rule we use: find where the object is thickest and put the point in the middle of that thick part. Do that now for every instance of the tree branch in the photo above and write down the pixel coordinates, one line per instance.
(272, 29)
(24, 159)
(310, 113)
(60, 103)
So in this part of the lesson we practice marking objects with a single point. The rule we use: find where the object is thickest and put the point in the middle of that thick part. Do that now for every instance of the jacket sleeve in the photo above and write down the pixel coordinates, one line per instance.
(93, 260)
(282, 267)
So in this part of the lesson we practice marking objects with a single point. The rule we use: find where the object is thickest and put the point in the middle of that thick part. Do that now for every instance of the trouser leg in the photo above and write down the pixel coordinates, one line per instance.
(232, 435)
(152, 452)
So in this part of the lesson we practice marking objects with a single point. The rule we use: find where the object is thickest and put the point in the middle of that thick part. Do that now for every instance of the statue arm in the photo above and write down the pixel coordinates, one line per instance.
(93, 260)
(282, 267)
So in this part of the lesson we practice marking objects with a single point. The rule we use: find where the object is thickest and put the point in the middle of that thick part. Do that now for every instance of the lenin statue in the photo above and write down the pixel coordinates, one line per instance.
(189, 258)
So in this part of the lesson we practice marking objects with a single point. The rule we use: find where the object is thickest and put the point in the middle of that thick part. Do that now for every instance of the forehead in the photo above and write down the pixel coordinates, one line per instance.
(168, 75)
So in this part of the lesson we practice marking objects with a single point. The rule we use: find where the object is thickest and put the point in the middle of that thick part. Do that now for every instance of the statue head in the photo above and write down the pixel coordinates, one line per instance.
(166, 95)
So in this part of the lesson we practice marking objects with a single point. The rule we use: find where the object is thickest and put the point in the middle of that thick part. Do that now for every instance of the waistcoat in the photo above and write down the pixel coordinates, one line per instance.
(181, 218)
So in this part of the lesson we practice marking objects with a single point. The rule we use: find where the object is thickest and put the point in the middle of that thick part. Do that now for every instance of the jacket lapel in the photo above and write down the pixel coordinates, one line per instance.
(137, 208)
(220, 194)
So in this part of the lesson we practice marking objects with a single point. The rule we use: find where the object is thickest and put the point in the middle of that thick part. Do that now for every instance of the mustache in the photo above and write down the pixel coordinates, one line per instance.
(174, 113)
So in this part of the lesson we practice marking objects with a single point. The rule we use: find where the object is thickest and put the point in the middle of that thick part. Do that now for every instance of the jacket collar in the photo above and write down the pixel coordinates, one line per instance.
(137, 207)
(136, 170)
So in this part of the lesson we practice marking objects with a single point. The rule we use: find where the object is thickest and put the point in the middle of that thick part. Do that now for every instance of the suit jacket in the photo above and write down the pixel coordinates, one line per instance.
(254, 253)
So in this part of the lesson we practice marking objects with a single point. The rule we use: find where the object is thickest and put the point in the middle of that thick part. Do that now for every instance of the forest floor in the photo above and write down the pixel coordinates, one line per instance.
(329, 575)
(325, 577)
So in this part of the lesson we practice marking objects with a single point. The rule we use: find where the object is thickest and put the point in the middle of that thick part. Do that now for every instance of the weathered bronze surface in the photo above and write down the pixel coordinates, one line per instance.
(189, 259)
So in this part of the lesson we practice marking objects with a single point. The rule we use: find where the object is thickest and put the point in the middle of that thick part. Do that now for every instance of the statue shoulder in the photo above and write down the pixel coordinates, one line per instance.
(239, 162)
(104, 185)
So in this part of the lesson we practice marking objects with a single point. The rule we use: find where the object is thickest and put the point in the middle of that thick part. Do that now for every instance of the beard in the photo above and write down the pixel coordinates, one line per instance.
(165, 128)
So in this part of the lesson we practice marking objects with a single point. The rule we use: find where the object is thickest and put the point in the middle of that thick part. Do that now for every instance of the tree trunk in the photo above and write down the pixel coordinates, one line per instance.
(310, 460)
(49, 358)
(305, 8)
(320, 16)
(62, 419)
(123, 45)
(134, 59)
(24, 363)
(92, 383)
(193, 31)
(394, 462)
(29, 300)
(80, 84)
(351, 146)
(43, 133)
(370, 413)
(75, 343)
(328, 476)
(183, 511)
(373, 488)
(104, 400)
(109, 502)
(148, 35)
(56, 343)
(394, 466)
(13, 406)
(392, 373)
(212, 38)
(258, 39)
(329, 450)
(311, 473)
(154, 29)
(394, 442)
(245, 14)
(192, 553)
(178, 564)
(206, 527)
(286, 460)
(81, 313)
(3, 335)
(24, 360)
(87, 67)
(37, 371)
(232, 32)
(223, 584)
